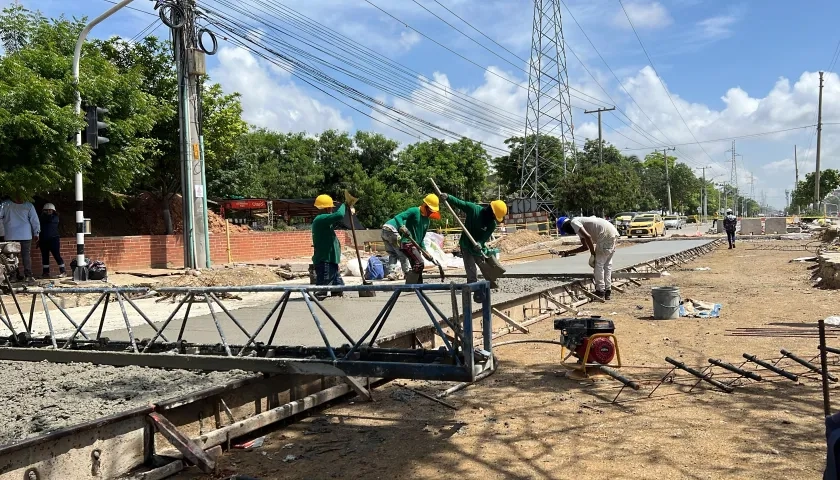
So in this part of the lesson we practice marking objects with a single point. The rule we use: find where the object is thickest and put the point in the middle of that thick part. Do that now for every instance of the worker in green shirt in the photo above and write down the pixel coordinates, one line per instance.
(327, 249)
(398, 232)
(480, 223)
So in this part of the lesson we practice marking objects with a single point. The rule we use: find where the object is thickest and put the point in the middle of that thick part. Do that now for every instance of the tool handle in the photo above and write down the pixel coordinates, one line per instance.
(469, 236)
(356, 246)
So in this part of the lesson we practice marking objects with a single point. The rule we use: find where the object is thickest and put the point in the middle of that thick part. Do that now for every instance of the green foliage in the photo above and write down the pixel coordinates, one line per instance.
(803, 194)
(38, 122)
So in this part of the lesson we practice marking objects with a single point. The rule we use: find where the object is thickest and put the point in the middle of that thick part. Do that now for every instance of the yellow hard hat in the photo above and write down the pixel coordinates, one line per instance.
(323, 201)
(432, 201)
(499, 209)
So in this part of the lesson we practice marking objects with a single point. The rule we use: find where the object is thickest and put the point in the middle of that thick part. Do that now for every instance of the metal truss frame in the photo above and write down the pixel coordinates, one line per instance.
(457, 359)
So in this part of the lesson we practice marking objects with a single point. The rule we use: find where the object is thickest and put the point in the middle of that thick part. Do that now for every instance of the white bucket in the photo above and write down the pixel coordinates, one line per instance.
(666, 303)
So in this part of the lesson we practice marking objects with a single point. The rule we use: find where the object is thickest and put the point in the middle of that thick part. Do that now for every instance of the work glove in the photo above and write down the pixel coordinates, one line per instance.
(404, 230)
(443, 197)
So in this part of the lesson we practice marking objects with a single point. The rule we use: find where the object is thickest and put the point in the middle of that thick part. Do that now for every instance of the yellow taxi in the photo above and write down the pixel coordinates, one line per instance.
(650, 224)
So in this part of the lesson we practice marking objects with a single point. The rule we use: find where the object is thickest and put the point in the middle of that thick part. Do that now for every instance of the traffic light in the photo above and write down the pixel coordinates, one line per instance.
(95, 123)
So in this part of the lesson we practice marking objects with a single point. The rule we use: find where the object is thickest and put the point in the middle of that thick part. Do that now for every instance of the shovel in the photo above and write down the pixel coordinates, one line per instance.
(490, 267)
(440, 267)
(350, 200)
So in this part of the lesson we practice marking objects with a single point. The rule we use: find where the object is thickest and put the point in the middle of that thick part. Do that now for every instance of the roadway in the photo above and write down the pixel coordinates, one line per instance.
(357, 314)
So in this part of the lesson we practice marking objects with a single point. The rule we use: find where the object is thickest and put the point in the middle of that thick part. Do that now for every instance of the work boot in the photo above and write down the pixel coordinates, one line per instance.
(46, 275)
(599, 293)
(607, 294)
(30, 280)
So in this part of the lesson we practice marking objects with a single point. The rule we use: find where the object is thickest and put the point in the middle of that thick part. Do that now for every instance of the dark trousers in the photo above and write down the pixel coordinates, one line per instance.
(327, 274)
(730, 235)
(415, 258)
(51, 246)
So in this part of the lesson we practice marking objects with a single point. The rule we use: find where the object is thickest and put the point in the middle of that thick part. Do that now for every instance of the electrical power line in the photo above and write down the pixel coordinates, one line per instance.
(659, 77)
(748, 135)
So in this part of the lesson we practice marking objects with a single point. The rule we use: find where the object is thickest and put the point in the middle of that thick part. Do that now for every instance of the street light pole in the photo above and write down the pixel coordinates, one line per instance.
(80, 272)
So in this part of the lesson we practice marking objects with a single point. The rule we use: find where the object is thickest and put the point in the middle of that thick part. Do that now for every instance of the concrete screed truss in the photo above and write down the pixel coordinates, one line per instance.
(456, 360)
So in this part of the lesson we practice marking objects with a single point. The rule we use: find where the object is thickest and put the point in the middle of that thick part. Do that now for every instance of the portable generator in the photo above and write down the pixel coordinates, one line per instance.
(591, 340)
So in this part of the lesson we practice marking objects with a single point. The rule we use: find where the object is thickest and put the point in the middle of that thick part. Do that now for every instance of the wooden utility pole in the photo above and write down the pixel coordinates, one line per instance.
(668, 177)
(600, 136)
(819, 137)
(796, 167)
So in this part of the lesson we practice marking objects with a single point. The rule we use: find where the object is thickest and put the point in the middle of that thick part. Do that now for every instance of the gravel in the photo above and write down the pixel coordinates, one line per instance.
(44, 397)
(524, 285)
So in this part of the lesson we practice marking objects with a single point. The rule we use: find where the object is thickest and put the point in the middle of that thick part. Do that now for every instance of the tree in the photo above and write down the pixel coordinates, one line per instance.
(37, 119)
(599, 190)
(509, 167)
(803, 194)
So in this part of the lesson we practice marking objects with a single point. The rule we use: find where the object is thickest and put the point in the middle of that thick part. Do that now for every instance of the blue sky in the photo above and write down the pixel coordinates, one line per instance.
(732, 68)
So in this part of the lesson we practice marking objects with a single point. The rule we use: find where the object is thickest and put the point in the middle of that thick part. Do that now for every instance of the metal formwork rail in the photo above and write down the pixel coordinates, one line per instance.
(456, 359)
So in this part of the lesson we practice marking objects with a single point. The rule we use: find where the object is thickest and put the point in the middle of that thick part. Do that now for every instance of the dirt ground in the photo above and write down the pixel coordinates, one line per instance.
(530, 420)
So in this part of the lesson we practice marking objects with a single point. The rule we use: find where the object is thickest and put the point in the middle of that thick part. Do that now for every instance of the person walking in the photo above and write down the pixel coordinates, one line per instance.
(50, 241)
(327, 249)
(20, 224)
(398, 233)
(599, 237)
(480, 223)
(730, 223)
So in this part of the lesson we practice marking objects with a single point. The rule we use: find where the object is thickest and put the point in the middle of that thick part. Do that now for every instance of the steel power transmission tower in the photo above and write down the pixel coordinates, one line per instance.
(549, 103)
(180, 16)
(733, 175)
(599, 111)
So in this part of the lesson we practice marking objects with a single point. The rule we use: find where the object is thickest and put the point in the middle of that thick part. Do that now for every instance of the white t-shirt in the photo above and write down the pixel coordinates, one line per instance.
(599, 229)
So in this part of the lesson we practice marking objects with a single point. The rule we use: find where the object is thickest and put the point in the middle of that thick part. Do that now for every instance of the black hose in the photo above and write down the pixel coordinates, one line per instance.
(212, 37)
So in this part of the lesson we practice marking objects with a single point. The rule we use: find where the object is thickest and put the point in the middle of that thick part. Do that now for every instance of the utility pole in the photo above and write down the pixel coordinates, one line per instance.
(668, 177)
(190, 63)
(752, 191)
(704, 196)
(796, 167)
(819, 137)
(787, 202)
(600, 137)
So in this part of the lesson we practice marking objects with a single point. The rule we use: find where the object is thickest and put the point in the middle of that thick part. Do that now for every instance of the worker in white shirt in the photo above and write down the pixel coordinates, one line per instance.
(599, 237)
(21, 224)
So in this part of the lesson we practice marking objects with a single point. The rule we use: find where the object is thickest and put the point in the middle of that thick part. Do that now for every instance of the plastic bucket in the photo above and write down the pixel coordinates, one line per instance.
(666, 302)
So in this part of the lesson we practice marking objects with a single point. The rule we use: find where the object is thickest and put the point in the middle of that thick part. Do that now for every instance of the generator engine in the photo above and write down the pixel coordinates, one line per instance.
(9, 252)
(575, 335)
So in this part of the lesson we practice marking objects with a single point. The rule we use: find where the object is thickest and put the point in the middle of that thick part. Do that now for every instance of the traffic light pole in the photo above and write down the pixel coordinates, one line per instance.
(80, 272)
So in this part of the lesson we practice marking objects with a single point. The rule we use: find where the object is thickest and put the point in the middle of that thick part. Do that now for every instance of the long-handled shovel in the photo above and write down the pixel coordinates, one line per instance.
(490, 267)
(350, 200)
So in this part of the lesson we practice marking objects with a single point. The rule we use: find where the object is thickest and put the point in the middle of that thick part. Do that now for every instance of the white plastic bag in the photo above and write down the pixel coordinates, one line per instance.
(353, 267)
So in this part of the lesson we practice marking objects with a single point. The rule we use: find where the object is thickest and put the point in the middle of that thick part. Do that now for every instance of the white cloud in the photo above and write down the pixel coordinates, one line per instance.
(643, 15)
(716, 27)
(270, 98)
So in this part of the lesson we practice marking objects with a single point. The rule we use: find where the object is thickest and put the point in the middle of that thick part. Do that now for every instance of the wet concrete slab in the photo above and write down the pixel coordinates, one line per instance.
(578, 265)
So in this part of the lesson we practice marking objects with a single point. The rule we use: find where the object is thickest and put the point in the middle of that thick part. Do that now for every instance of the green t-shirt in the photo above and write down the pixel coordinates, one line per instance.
(416, 223)
(480, 228)
(327, 248)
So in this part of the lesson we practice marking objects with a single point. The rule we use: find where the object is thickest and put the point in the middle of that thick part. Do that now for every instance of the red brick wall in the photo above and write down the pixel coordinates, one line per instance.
(159, 251)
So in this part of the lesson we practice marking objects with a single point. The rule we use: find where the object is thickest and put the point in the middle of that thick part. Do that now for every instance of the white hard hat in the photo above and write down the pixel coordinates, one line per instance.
(48, 206)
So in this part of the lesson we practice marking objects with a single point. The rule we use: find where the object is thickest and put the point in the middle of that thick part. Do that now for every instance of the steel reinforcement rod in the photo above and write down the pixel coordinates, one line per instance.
(722, 386)
(621, 378)
(733, 368)
(771, 367)
(807, 364)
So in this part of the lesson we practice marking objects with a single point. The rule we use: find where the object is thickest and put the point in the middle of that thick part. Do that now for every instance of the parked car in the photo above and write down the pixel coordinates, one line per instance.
(649, 224)
(622, 221)
(674, 222)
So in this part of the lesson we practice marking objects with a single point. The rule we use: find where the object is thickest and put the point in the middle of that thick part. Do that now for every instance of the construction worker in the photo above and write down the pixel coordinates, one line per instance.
(599, 237)
(20, 224)
(403, 236)
(730, 223)
(327, 248)
(50, 241)
(480, 223)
